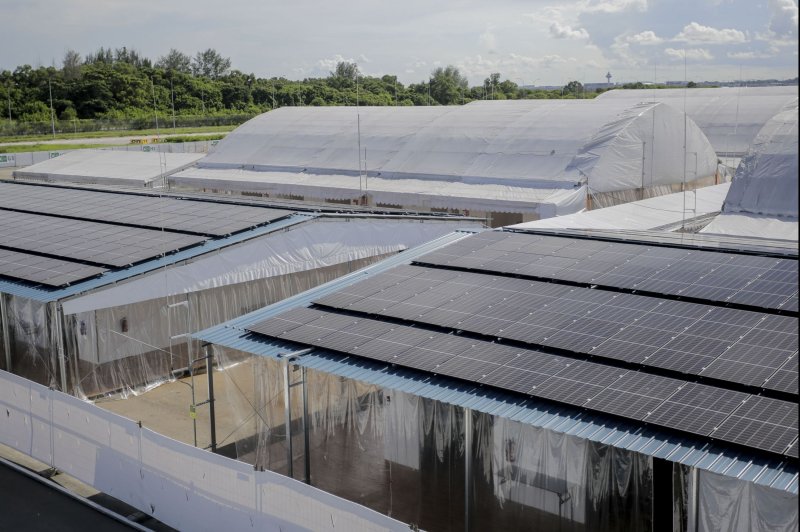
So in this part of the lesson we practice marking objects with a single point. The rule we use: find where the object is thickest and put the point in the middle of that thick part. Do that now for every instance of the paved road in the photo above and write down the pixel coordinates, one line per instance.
(102, 140)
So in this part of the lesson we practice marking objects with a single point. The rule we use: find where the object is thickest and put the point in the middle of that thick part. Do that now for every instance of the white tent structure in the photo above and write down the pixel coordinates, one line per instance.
(678, 211)
(762, 201)
(533, 158)
(124, 168)
(731, 117)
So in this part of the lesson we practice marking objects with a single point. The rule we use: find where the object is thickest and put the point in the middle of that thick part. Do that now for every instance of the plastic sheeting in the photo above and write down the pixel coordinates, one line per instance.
(182, 486)
(433, 464)
(314, 244)
(128, 168)
(753, 225)
(652, 213)
(729, 505)
(411, 193)
(515, 143)
(766, 181)
(730, 117)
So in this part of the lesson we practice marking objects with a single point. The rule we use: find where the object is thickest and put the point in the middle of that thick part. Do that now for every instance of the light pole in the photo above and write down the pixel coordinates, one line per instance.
(52, 113)
(11, 84)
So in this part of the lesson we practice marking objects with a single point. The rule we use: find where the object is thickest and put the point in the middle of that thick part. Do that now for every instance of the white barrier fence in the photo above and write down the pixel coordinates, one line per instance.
(23, 159)
(185, 487)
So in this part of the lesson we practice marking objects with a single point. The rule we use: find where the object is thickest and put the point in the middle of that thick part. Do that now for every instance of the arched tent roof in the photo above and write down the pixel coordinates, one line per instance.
(762, 200)
(731, 117)
(531, 143)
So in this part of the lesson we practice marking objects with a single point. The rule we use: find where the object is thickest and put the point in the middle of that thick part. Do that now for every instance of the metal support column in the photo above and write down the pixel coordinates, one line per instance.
(6, 337)
(467, 464)
(287, 410)
(58, 314)
(306, 446)
(212, 418)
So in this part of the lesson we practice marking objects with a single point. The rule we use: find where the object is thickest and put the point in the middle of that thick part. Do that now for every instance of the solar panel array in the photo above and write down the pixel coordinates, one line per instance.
(722, 372)
(754, 281)
(101, 244)
(714, 342)
(674, 403)
(36, 269)
(171, 213)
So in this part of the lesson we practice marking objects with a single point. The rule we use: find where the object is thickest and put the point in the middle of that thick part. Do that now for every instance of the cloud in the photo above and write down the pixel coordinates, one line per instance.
(613, 6)
(697, 33)
(644, 38)
(329, 64)
(692, 54)
(560, 31)
(783, 22)
(772, 52)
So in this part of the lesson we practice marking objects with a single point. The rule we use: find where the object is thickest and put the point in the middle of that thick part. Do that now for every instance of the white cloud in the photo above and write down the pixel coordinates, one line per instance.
(692, 54)
(613, 6)
(750, 55)
(697, 33)
(329, 64)
(783, 22)
(644, 38)
(560, 31)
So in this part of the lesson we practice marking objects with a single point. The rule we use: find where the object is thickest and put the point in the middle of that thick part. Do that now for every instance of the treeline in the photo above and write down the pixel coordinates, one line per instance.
(121, 84)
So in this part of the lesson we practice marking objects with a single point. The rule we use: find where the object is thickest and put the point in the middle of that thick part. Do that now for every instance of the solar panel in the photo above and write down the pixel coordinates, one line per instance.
(684, 337)
(36, 269)
(754, 281)
(201, 217)
(762, 423)
(108, 245)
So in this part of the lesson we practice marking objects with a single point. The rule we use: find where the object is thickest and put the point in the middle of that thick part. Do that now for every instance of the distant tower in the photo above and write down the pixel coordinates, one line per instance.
(608, 77)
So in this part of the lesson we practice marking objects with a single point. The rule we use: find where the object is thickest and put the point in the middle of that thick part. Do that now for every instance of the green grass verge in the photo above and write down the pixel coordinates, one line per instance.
(193, 138)
(22, 148)
(121, 133)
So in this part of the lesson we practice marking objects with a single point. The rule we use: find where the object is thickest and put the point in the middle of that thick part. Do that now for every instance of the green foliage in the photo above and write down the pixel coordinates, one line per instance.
(121, 86)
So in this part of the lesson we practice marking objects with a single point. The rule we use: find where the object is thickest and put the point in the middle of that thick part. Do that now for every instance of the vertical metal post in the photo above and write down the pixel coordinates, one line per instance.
(644, 146)
(694, 518)
(62, 361)
(306, 446)
(211, 412)
(4, 325)
(467, 464)
(287, 412)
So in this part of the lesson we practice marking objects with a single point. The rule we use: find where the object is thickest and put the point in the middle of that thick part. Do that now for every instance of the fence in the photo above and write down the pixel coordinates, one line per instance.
(185, 487)
(21, 128)
(23, 159)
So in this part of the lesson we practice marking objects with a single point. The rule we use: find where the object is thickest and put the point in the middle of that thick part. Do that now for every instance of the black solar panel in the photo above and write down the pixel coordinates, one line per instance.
(202, 217)
(679, 336)
(763, 282)
(104, 244)
(51, 272)
(762, 423)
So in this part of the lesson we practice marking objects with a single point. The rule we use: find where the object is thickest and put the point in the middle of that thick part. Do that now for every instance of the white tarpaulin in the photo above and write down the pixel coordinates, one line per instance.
(129, 168)
(762, 201)
(311, 245)
(403, 192)
(651, 213)
(528, 156)
(731, 117)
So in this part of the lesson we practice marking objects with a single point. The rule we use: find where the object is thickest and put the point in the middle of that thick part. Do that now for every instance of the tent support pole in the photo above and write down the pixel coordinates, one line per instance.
(4, 325)
(306, 446)
(287, 412)
(467, 464)
(62, 361)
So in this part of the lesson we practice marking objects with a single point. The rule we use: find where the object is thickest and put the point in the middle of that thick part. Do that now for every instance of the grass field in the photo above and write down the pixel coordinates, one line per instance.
(23, 148)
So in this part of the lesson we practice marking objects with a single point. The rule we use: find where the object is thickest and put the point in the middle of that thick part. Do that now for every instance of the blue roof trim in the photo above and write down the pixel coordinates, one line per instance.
(45, 295)
(696, 452)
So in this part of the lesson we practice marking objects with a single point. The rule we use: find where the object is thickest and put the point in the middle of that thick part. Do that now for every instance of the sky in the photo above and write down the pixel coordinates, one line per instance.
(531, 42)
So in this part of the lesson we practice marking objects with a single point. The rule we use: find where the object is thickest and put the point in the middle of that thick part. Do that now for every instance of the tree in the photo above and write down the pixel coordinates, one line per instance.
(72, 64)
(447, 85)
(691, 85)
(210, 64)
(491, 85)
(343, 76)
(176, 61)
(574, 88)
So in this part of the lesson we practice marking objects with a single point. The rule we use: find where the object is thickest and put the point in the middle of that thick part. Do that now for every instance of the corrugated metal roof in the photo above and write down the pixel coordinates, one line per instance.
(44, 295)
(696, 452)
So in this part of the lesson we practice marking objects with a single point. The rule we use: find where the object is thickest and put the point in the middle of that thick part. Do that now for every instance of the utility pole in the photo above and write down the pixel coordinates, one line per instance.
(9, 102)
(172, 97)
(52, 113)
